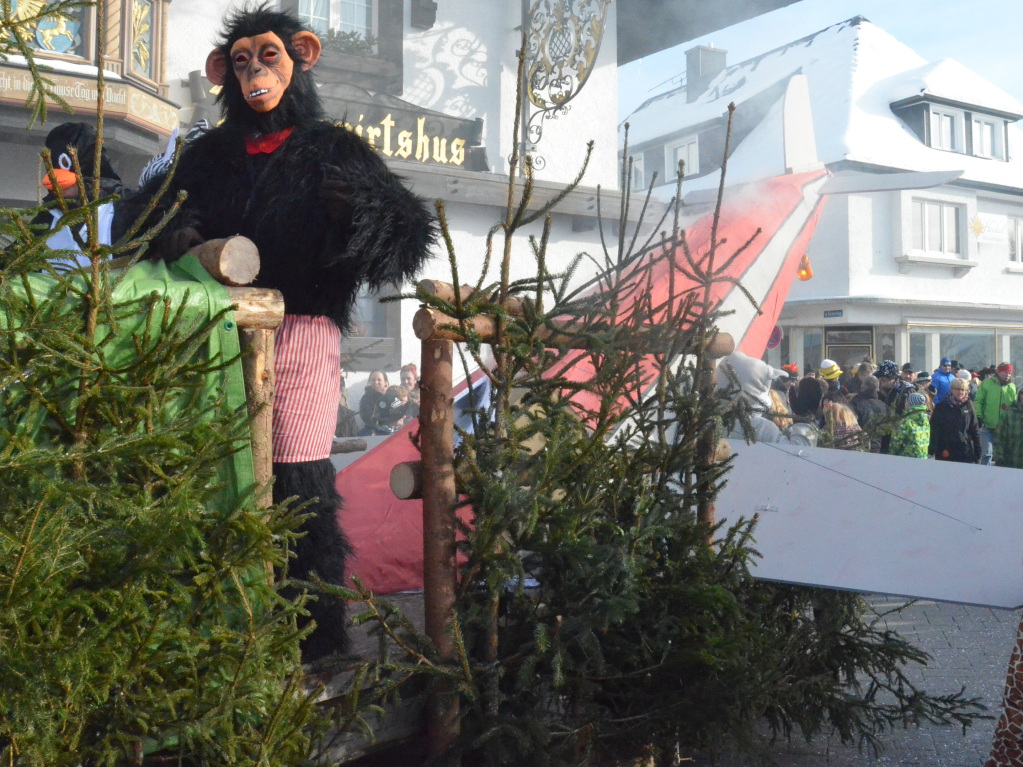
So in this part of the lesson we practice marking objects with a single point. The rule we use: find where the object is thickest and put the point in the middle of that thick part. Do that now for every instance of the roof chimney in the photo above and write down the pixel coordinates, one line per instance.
(703, 64)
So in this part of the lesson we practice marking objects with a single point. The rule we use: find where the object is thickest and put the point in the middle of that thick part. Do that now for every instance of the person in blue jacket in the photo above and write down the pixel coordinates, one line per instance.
(941, 379)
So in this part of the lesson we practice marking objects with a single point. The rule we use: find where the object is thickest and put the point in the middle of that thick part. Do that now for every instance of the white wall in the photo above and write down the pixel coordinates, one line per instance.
(466, 65)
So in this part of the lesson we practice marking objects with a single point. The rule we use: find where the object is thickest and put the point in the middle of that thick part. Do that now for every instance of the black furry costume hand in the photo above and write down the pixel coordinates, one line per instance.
(327, 216)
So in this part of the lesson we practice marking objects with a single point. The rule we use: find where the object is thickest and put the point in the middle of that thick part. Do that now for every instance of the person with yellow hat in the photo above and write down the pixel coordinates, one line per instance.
(830, 372)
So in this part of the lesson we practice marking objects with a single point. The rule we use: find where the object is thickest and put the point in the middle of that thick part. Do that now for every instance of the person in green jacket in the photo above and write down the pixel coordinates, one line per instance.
(1009, 437)
(913, 434)
(994, 396)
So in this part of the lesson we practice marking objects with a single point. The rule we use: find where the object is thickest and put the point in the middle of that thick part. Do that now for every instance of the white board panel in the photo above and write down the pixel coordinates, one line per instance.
(881, 524)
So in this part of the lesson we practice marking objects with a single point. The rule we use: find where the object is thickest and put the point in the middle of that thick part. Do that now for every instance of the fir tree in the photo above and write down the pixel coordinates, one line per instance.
(138, 620)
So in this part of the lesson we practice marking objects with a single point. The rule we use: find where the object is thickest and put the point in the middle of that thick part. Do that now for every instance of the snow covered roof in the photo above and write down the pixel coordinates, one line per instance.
(948, 80)
(855, 72)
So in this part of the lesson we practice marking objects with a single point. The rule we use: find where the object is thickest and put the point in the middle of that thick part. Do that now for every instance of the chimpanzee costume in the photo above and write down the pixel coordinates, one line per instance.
(328, 217)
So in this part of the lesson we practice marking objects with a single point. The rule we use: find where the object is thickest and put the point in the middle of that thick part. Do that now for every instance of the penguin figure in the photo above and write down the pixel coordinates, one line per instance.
(60, 141)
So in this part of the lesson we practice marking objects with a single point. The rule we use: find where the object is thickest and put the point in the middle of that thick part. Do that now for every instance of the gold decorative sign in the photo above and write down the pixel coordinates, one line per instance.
(121, 99)
(390, 139)
(562, 43)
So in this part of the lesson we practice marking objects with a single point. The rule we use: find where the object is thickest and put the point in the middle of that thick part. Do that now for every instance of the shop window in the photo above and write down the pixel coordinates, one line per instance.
(937, 227)
(813, 351)
(973, 348)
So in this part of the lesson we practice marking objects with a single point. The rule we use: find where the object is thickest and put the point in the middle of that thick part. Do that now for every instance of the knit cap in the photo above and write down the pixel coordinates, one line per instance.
(964, 374)
(829, 370)
(1005, 366)
(916, 399)
(945, 361)
(887, 369)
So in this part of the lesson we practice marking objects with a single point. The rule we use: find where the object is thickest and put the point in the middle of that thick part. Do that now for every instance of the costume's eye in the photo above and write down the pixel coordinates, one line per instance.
(241, 59)
(271, 56)
(64, 161)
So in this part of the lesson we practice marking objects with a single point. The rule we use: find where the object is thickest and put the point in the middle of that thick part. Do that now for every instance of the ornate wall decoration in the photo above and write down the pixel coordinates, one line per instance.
(562, 43)
(142, 38)
(57, 33)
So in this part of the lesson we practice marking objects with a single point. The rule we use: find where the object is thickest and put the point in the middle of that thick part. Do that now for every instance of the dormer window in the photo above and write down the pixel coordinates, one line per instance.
(686, 150)
(946, 129)
(987, 137)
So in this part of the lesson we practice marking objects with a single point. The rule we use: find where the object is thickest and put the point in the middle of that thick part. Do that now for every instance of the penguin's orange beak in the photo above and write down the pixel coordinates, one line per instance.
(65, 179)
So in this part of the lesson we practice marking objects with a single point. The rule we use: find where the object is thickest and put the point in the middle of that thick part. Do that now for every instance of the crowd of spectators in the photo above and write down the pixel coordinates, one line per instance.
(383, 408)
(950, 414)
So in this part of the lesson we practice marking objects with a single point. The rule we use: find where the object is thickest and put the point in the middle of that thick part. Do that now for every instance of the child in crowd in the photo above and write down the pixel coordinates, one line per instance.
(913, 433)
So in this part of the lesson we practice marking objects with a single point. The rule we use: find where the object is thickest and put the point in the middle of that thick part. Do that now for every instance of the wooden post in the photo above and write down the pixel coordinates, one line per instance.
(437, 435)
(258, 368)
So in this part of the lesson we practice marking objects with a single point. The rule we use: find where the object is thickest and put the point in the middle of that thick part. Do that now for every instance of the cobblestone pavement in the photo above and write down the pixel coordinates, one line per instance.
(970, 647)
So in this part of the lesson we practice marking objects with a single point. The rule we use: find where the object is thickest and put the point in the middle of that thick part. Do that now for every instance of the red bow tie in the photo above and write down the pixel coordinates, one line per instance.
(266, 143)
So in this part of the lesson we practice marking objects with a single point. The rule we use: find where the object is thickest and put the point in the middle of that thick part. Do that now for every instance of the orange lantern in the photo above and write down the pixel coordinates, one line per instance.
(805, 270)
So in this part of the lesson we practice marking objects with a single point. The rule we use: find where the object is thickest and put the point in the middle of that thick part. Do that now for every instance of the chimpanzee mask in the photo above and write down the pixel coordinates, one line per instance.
(263, 66)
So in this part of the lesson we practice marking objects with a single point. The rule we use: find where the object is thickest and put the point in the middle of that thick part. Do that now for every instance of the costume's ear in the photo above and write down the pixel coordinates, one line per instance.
(216, 67)
(308, 46)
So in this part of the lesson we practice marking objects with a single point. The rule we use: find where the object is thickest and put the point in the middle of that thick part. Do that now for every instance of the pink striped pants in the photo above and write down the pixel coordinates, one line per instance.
(307, 387)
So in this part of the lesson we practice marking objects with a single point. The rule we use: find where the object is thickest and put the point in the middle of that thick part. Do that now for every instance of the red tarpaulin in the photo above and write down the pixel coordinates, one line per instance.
(387, 534)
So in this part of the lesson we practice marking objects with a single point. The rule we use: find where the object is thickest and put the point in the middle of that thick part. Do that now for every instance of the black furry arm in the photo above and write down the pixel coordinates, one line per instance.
(389, 230)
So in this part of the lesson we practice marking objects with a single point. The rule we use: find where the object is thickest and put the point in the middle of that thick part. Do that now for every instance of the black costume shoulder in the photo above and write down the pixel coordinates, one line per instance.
(316, 254)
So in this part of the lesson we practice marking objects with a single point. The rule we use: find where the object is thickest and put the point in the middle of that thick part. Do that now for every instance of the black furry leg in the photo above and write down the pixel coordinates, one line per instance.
(322, 549)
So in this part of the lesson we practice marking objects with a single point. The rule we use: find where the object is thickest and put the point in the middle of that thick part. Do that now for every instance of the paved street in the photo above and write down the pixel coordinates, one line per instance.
(970, 647)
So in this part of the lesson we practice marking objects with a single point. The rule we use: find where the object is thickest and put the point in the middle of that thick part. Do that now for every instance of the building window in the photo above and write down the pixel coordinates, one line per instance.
(1015, 230)
(945, 130)
(685, 151)
(639, 179)
(987, 137)
(315, 14)
(936, 227)
(375, 341)
(357, 16)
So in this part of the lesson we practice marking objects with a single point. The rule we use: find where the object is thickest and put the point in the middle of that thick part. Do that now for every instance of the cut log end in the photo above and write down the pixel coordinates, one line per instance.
(231, 261)
(407, 480)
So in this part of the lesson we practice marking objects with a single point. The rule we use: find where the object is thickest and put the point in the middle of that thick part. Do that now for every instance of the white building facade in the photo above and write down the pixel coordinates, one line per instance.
(431, 84)
(911, 273)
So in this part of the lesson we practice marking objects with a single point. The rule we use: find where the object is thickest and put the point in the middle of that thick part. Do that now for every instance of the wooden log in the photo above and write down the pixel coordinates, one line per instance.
(436, 433)
(258, 369)
(230, 260)
(720, 345)
(428, 325)
(348, 446)
(431, 324)
(445, 291)
(257, 308)
(407, 480)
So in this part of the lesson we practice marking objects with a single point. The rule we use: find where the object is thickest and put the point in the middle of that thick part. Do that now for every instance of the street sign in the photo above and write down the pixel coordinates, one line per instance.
(775, 339)
(881, 524)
